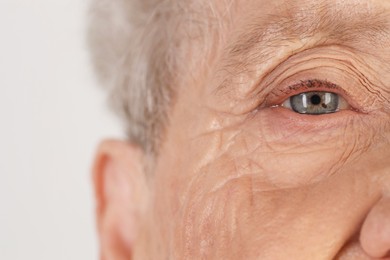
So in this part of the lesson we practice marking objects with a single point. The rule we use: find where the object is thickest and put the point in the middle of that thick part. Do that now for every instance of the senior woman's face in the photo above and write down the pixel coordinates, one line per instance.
(278, 143)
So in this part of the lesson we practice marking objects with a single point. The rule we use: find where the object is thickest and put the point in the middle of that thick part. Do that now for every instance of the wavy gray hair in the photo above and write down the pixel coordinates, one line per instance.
(132, 43)
(140, 51)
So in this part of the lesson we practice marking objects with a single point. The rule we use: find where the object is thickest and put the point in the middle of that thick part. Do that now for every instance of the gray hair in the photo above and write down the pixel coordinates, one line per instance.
(137, 47)
(132, 45)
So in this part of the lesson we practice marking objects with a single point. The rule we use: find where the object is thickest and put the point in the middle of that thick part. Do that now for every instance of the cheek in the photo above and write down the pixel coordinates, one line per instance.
(231, 219)
(228, 191)
(211, 219)
(226, 218)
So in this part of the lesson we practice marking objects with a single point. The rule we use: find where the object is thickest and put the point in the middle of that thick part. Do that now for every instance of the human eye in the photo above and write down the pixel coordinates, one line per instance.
(316, 103)
(314, 97)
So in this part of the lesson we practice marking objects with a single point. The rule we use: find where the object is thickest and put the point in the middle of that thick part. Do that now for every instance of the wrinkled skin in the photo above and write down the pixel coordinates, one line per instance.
(240, 177)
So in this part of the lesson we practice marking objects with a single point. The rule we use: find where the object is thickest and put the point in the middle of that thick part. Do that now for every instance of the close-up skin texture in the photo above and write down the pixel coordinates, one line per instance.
(275, 142)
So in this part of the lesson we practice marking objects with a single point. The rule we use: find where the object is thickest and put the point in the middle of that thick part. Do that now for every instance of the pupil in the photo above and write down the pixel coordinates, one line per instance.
(315, 100)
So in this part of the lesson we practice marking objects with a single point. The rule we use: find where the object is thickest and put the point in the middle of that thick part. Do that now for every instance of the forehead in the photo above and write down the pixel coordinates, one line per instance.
(304, 12)
(302, 6)
(348, 21)
(241, 23)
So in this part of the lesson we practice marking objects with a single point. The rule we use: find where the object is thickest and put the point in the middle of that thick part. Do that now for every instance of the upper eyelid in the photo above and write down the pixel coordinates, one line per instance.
(335, 67)
(338, 64)
(313, 84)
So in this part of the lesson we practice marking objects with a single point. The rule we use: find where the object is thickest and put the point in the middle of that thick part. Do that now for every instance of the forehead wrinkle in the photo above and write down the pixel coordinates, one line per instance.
(319, 24)
(291, 25)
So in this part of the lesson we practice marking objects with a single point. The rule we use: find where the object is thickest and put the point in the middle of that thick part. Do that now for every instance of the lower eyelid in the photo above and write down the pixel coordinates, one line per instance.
(289, 121)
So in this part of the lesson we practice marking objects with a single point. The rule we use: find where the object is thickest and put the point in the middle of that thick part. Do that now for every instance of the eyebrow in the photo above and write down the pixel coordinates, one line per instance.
(259, 40)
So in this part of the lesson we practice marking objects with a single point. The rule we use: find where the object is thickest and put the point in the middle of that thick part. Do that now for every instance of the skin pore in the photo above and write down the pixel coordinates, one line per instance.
(241, 176)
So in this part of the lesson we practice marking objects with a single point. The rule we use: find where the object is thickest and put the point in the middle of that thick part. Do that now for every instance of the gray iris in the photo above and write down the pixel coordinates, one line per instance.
(315, 103)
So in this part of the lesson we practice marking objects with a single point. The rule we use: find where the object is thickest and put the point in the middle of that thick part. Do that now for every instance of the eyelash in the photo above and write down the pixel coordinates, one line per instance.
(313, 84)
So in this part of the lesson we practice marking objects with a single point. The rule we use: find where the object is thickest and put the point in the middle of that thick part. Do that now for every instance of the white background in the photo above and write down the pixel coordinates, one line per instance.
(52, 116)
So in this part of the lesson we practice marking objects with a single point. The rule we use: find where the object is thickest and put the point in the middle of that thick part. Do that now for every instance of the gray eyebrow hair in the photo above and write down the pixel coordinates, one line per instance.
(262, 38)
